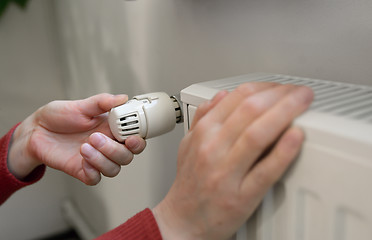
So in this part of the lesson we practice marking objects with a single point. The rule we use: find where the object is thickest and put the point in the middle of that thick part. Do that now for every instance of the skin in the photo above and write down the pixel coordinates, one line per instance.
(230, 158)
(74, 137)
(238, 146)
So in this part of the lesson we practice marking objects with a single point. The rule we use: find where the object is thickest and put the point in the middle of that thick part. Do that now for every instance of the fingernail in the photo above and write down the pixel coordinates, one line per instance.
(133, 143)
(87, 150)
(122, 96)
(304, 94)
(97, 140)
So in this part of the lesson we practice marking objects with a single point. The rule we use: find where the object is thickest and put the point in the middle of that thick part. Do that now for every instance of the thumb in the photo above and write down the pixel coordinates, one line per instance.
(101, 103)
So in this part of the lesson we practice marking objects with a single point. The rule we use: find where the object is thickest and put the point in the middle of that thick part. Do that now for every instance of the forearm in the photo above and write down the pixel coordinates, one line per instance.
(20, 163)
(8, 182)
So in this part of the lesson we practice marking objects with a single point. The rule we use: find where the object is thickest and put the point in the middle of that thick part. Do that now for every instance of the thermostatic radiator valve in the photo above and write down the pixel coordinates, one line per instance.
(148, 115)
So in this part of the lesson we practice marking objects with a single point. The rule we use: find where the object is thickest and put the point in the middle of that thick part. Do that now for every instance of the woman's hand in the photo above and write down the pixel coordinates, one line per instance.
(74, 137)
(238, 146)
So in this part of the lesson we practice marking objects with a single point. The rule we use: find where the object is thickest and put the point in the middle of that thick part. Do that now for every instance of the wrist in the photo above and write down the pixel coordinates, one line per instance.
(167, 231)
(20, 161)
(171, 224)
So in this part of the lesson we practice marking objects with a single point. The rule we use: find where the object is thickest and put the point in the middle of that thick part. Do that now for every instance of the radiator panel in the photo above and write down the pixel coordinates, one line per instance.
(326, 193)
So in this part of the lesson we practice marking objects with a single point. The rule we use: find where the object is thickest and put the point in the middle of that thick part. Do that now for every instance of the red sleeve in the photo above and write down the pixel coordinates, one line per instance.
(142, 226)
(8, 183)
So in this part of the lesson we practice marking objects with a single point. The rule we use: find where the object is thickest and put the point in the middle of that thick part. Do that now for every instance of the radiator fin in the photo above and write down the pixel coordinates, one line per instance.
(343, 99)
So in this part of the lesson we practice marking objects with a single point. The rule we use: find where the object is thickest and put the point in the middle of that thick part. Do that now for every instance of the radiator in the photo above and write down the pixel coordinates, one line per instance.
(327, 192)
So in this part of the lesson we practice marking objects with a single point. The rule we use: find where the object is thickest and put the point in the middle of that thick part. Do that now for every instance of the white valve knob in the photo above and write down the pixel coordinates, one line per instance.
(148, 115)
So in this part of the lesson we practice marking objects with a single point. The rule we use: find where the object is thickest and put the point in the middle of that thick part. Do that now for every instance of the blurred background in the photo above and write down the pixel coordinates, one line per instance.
(76, 48)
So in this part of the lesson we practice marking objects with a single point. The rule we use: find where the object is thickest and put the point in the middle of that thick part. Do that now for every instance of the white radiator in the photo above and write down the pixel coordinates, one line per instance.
(327, 193)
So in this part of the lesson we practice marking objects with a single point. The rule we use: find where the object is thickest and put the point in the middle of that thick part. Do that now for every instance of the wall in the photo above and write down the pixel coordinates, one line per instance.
(29, 78)
(141, 46)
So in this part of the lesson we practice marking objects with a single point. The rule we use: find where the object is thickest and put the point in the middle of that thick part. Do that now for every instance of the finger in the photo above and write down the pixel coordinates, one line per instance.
(210, 126)
(91, 175)
(249, 109)
(227, 105)
(265, 173)
(207, 106)
(262, 133)
(96, 159)
(101, 103)
(135, 144)
(111, 150)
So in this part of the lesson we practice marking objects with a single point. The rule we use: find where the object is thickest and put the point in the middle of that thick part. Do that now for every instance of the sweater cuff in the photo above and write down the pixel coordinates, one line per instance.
(8, 182)
(141, 226)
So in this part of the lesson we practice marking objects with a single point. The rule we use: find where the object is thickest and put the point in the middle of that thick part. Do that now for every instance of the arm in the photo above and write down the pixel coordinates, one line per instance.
(8, 182)
(238, 146)
(71, 136)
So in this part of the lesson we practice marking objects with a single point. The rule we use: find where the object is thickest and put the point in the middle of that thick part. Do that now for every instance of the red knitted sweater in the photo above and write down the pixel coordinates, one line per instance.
(140, 227)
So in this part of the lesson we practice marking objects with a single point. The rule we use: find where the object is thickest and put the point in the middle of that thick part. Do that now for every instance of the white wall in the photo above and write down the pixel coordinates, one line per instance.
(29, 78)
(141, 46)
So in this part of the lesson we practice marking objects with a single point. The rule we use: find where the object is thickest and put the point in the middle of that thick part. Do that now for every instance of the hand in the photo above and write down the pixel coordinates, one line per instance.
(72, 136)
(238, 146)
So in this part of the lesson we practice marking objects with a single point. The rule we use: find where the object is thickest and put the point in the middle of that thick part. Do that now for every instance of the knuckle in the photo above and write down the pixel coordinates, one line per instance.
(245, 89)
(253, 107)
(205, 158)
(205, 151)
